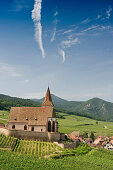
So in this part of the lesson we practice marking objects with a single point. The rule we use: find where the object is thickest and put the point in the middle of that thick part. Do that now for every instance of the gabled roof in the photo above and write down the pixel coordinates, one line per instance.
(48, 101)
(31, 115)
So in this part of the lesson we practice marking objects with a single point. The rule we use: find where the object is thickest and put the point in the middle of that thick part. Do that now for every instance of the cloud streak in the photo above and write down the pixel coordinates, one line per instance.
(36, 16)
(54, 31)
(108, 13)
(69, 43)
(62, 53)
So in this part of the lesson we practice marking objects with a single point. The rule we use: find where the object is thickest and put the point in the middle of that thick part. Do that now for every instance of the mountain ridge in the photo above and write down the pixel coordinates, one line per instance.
(95, 108)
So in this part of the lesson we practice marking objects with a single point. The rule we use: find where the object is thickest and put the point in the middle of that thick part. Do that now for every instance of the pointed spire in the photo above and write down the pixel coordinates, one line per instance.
(47, 101)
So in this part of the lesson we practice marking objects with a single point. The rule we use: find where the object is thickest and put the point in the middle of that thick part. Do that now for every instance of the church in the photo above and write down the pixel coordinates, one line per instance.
(35, 122)
(37, 119)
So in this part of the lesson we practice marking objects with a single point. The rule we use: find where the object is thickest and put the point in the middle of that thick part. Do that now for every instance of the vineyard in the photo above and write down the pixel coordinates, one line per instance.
(33, 148)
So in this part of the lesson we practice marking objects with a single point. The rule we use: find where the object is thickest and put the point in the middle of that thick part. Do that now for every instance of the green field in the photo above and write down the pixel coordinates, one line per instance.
(82, 124)
(4, 116)
(97, 159)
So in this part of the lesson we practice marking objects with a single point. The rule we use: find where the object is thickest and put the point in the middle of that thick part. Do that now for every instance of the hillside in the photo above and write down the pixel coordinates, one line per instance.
(6, 102)
(95, 108)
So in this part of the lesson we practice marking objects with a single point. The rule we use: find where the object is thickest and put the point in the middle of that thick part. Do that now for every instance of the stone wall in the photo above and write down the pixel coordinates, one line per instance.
(42, 136)
(68, 145)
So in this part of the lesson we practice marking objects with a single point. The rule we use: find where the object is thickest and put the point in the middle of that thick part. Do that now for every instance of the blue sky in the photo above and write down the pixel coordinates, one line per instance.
(66, 44)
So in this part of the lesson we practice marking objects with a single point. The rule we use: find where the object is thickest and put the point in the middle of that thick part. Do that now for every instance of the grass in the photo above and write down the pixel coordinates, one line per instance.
(4, 116)
(82, 124)
(96, 159)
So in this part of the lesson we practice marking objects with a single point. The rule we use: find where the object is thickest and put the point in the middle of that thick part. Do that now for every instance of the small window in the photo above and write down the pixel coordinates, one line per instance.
(13, 126)
(41, 130)
(25, 127)
(26, 118)
(32, 129)
(35, 118)
(15, 118)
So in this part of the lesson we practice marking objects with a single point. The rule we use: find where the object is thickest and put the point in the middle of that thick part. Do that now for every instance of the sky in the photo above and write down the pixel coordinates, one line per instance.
(67, 45)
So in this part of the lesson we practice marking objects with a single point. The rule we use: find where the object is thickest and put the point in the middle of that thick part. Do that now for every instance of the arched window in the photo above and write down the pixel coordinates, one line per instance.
(25, 127)
(32, 129)
(49, 126)
(13, 126)
(53, 126)
(41, 130)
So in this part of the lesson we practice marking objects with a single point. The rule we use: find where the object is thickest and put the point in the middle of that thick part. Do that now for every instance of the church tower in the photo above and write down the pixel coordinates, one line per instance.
(48, 101)
(52, 125)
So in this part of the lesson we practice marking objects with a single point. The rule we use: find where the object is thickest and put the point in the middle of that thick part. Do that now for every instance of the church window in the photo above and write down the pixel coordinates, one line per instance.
(13, 126)
(25, 127)
(32, 129)
(53, 126)
(49, 126)
(26, 118)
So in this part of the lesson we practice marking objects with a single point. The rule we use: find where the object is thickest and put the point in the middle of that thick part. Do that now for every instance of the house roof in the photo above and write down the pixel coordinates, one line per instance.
(31, 115)
(47, 101)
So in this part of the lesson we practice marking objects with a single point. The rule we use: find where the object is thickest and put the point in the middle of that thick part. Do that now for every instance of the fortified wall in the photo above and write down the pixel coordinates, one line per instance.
(42, 136)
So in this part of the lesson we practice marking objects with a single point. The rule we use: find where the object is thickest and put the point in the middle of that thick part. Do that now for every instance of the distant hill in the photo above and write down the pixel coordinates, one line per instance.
(6, 102)
(94, 108)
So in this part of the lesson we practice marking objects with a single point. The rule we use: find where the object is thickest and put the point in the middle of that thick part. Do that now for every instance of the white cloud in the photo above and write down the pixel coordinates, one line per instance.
(36, 16)
(8, 70)
(70, 42)
(108, 12)
(68, 31)
(56, 13)
(86, 21)
(54, 31)
(54, 34)
(62, 53)
(99, 16)
(26, 81)
(90, 28)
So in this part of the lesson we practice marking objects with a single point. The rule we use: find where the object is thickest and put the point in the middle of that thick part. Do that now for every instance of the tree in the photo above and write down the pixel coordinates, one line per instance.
(92, 136)
(85, 134)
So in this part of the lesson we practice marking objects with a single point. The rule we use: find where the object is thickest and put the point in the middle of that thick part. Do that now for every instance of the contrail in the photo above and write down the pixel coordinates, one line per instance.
(36, 16)
(62, 53)
(55, 22)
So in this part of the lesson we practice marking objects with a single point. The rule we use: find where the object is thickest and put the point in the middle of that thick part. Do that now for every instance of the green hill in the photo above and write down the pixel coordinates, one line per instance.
(94, 108)
(6, 102)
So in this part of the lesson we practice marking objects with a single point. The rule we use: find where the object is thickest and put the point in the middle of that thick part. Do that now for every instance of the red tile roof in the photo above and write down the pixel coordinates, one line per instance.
(31, 115)
(47, 101)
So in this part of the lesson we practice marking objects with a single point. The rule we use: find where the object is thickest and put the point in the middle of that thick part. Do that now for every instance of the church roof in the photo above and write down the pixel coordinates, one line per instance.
(47, 101)
(31, 115)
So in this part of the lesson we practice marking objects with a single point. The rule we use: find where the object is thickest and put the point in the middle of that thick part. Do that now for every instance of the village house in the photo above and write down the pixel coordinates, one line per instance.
(40, 120)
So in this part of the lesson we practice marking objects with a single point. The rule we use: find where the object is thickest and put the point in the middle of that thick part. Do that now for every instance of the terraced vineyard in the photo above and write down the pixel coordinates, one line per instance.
(7, 142)
(33, 148)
